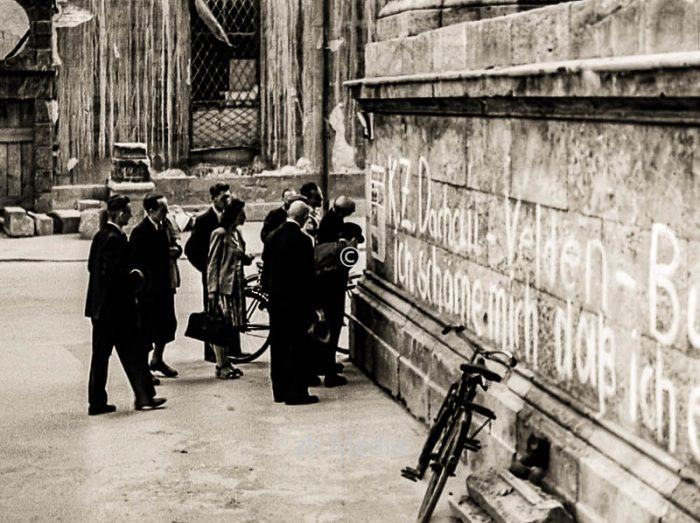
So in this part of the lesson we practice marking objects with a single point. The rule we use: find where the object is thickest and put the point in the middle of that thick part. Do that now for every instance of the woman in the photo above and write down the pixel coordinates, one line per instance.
(225, 279)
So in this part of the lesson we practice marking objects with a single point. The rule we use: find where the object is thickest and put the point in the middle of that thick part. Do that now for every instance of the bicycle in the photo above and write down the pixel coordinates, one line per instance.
(450, 431)
(255, 334)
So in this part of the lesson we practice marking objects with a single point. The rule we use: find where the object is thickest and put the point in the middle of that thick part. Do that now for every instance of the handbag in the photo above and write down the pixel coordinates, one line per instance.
(210, 328)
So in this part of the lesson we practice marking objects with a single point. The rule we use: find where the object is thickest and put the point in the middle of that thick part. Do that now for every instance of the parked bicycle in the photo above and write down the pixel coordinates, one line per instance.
(450, 434)
(255, 334)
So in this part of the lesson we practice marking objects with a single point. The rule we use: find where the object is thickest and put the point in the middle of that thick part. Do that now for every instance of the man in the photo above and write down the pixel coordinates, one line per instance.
(110, 305)
(314, 197)
(152, 254)
(197, 247)
(333, 263)
(332, 223)
(277, 217)
(288, 276)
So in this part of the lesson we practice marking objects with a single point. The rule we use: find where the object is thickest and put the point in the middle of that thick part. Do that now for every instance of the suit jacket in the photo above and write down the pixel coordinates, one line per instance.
(110, 293)
(288, 275)
(330, 227)
(150, 254)
(274, 219)
(197, 247)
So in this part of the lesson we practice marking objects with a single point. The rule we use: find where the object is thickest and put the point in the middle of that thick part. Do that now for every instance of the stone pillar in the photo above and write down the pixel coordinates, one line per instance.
(130, 172)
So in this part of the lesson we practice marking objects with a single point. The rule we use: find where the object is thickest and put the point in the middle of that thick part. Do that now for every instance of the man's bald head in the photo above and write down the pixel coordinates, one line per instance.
(344, 206)
(299, 212)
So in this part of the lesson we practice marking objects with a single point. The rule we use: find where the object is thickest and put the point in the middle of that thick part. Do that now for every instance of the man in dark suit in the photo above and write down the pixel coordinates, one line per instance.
(277, 217)
(288, 276)
(197, 247)
(110, 305)
(331, 225)
(152, 254)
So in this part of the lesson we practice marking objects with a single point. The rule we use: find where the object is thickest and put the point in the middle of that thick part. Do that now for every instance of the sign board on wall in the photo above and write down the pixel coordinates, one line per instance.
(376, 196)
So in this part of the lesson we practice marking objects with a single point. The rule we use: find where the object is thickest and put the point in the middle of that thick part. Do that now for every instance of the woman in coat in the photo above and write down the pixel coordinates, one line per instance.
(225, 278)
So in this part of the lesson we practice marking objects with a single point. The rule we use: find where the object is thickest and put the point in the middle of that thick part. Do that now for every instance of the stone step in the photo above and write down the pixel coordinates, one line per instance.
(507, 499)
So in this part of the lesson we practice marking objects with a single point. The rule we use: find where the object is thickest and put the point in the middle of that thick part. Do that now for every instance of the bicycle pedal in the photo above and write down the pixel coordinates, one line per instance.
(410, 473)
(473, 445)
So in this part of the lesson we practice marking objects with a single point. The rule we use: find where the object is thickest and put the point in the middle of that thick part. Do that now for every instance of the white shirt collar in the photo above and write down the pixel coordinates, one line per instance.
(155, 224)
(217, 212)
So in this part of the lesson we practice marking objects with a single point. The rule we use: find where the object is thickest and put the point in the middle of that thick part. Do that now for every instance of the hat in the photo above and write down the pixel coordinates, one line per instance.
(117, 202)
(352, 230)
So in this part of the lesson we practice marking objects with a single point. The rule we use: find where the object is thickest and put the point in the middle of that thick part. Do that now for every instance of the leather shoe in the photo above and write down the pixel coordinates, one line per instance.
(334, 380)
(304, 400)
(152, 404)
(155, 380)
(101, 409)
(165, 369)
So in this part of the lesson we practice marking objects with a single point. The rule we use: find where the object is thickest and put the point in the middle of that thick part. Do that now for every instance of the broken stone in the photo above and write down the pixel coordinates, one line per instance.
(17, 223)
(89, 223)
(43, 224)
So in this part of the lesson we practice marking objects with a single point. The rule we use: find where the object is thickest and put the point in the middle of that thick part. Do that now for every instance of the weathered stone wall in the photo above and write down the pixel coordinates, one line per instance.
(551, 210)
(29, 76)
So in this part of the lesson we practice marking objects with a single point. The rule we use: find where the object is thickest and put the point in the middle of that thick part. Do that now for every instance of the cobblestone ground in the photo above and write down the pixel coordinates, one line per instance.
(220, 451)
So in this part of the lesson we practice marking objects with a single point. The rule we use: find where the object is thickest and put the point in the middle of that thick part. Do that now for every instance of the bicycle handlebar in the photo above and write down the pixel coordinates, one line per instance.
(505, 358)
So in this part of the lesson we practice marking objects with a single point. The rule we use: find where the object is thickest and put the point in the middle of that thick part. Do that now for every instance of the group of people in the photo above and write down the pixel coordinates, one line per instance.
(132, 284)
(130, 299)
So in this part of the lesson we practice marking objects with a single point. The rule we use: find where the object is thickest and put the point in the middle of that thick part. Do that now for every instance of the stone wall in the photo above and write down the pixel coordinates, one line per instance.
(29, 78)
(529, 182)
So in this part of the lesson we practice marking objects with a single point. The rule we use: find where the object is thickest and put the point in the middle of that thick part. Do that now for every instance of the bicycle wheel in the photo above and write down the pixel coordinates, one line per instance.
(255, 336)
(444, 466)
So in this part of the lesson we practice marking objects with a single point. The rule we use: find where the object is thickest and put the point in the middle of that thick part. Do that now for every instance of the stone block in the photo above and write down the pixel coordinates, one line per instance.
(89, 223)
(43, 135)
(43, 181)
(514, 500)
(43, 202)
(91, 204)
(488, 155)
(383, 58)
(385, 370)
(43, 158)
(494, 47)
(616, 496)
(66, 221)
(670, 26)
(408, 23)
(449, 48)
(17, 223)
(447, 149)
(43, 224)
(413, 389)
(413, 54)
(541, 35)
(539, 162)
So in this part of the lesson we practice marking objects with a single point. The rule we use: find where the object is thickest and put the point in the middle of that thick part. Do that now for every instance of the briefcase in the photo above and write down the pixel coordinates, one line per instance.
(204, 326)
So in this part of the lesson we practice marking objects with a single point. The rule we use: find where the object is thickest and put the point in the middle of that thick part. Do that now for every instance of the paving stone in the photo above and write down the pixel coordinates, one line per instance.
(17, 223)
(43, 224)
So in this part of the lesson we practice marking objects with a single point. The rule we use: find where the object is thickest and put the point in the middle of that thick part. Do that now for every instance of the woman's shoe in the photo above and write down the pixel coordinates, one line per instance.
(227, 373)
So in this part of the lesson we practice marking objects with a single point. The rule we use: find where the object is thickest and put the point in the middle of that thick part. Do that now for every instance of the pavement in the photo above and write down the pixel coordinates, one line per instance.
(219, 451)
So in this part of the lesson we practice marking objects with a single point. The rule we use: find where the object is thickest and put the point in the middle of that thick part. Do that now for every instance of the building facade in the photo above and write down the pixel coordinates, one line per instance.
(533, 176)
(27, 104)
